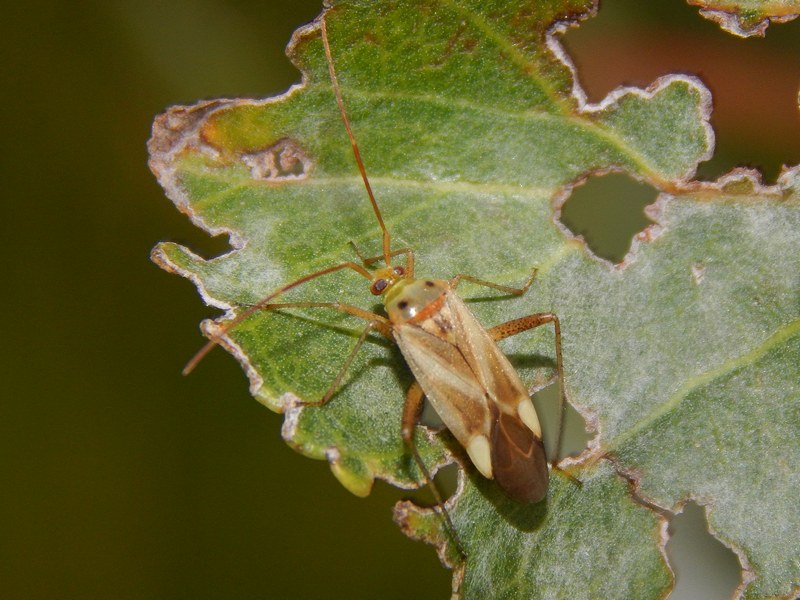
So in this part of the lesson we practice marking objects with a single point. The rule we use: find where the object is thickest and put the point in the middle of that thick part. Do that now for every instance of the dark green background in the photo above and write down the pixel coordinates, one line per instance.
(118, 477)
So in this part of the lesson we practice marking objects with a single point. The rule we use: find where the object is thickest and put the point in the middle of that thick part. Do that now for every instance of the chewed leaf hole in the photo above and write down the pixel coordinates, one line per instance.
(575, 438)
(284, 160)
(446, 480)
(211, 247)
(704, 567)
(608, 211)
(631, 42)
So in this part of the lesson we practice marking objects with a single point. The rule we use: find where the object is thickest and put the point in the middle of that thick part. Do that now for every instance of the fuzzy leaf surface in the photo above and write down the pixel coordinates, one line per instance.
(555, 549)
(682, 358)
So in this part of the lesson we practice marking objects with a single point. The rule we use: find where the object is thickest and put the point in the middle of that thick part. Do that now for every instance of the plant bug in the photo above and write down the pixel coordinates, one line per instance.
(455, 361)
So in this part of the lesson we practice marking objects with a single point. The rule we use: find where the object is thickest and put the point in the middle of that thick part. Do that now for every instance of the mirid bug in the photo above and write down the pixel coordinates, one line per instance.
(455, 361)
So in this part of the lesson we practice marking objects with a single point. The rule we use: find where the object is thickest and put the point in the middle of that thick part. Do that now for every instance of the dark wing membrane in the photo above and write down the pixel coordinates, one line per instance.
(518, 459)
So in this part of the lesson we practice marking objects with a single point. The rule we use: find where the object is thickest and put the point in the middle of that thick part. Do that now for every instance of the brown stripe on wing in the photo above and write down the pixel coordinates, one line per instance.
(518, 460)
(491, 367)
(447, 381)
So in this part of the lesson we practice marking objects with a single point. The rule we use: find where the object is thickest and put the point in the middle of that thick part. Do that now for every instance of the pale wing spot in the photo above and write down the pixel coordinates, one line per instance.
(481, 454)
(528, 415)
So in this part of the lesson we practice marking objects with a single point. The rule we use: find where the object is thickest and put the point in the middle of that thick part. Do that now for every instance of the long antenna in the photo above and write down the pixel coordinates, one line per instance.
(387, 246)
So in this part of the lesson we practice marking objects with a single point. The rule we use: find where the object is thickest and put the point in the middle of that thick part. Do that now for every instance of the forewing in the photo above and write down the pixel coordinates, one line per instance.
(448, 382)
(490, 366)
(478, 395)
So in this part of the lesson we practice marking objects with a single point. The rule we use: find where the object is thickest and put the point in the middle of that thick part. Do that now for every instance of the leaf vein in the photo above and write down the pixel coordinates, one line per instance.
(697, 381)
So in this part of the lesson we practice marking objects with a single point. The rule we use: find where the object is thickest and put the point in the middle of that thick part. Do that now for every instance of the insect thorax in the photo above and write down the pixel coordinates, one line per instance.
(409, 298)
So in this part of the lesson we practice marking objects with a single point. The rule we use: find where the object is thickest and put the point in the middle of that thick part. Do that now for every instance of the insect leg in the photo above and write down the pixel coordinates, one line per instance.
(379, 322)
(516, 326)
(503, 288)
(375, 322)
(264, 301)
(411, 412)
(373, 259)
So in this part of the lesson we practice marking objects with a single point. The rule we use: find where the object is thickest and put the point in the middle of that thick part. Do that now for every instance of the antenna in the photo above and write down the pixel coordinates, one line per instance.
(387, 246)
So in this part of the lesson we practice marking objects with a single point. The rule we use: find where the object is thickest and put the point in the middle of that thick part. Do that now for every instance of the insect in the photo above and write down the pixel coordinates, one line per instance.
(455, 361)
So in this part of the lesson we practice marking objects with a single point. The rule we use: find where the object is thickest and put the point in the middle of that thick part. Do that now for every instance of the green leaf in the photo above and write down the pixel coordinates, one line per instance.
(557, 549)
(683, 359)
(748, 17)
(724, 430)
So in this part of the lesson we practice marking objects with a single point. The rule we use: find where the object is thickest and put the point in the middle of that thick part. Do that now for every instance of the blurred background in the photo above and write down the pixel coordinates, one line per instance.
(121, 479)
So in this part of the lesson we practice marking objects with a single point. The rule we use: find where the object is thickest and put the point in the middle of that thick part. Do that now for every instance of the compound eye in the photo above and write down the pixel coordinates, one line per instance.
(399, 271)
(378, 287)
